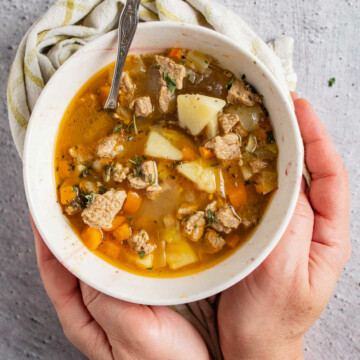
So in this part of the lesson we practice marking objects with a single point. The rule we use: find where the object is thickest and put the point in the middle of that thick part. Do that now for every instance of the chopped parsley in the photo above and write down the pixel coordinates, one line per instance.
(90, 198)
(270, 137)
(141, 254)
(118, 129)
(102, 190)
(75, 189)
(211, 216)
(249, 182)
(136, 160)
(215, 164)
(229, 85)
(331, 82)
(149, 268)
(156, 66)
(170, 82)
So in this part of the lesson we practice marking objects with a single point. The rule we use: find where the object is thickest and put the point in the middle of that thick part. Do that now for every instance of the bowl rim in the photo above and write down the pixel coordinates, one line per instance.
(212, 290)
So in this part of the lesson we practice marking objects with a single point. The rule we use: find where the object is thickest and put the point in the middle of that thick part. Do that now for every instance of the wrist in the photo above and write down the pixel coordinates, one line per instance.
(266, 350)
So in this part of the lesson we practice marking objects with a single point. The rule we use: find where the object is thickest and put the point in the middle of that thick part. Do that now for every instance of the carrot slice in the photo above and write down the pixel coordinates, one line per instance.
(233, 239)
(132, 203)
(237, 195)
(67, 194)
(206, 153)
(92, 237)
(189, 154)
(104, 92)
(123, 232)
(111, 249)
(119, 220)
(176, 53)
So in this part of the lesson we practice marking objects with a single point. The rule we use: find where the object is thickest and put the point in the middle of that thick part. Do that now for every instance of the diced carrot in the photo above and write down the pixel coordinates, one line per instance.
(111, 249)
(132, 203)
(67, 194)
(104, 92)
(176, 53)
(64, 168)
(237, 195)
(262, 134)
(119, 220)
(233, 239)
(206, 153)
(259, 188)
(92, 237)
(189, 154)
(123, 232)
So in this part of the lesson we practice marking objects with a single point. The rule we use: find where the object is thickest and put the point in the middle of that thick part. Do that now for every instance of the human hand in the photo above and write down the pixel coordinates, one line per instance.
(266, 315)
(106, 328)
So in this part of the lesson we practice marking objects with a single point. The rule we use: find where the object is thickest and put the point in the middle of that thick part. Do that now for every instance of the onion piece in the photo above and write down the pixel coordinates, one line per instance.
(235, 214)
(221, 187)
(249, 115)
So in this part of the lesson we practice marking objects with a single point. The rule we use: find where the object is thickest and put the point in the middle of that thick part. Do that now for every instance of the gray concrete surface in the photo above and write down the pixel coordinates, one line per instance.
(327, 45)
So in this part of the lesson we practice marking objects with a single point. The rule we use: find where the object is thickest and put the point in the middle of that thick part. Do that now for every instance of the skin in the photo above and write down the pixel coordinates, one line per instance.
(264, 316)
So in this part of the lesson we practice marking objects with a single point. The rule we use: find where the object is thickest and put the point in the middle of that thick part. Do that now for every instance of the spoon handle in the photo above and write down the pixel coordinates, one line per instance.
(128, 22)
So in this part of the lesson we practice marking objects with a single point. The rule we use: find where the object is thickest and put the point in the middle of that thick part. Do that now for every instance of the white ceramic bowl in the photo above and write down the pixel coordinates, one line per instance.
(40, 182)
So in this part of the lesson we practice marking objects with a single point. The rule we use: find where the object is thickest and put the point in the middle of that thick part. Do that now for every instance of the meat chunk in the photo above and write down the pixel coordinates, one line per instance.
(101, 213)
(174, 70)
(258, 165)
(213, 241)
(109, 147)
(145, 176)
(119, 172)
(79, 154)
(193, 226)
(165, 98)
(223, 219)
(142, 105)
(241, 93)
(226, 147)
(240, 130)
(227, 121)
(140, 243)
(126, 84)
(250, 215)
(153, 191)
(185, 209)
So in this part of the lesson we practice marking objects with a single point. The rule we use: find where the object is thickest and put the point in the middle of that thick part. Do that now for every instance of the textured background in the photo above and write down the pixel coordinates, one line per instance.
(327, 44)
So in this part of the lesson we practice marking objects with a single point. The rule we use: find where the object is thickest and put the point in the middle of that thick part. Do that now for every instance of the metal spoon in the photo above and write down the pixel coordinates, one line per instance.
(128, 22)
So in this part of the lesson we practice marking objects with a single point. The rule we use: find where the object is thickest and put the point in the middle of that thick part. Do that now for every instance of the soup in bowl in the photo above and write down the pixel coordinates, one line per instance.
(185, 187)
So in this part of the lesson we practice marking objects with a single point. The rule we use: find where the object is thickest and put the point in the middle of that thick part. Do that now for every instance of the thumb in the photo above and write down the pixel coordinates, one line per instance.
(293, 248)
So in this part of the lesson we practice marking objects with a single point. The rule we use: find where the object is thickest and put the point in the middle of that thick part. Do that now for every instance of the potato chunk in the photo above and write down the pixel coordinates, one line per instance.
(203, 176)
(159, 147)
(180, 254)
(198, 111)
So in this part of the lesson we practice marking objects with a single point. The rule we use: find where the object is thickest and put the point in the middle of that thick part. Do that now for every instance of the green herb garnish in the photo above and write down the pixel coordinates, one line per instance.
(136, 160)
(215, 164)
(229, 85)
(141, 254)
(149, 268)
(156, 66)
(211, 216)
(331, 82)
(170, 82)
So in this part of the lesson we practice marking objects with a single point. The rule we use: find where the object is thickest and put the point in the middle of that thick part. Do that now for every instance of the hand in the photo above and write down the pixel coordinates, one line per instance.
(266, 315)
(106, 328)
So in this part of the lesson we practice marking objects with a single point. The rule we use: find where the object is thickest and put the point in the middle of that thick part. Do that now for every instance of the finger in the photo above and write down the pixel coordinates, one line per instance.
(140, 331)
(63, 290)
(294, 95)
(293, 249)
(329, 194)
